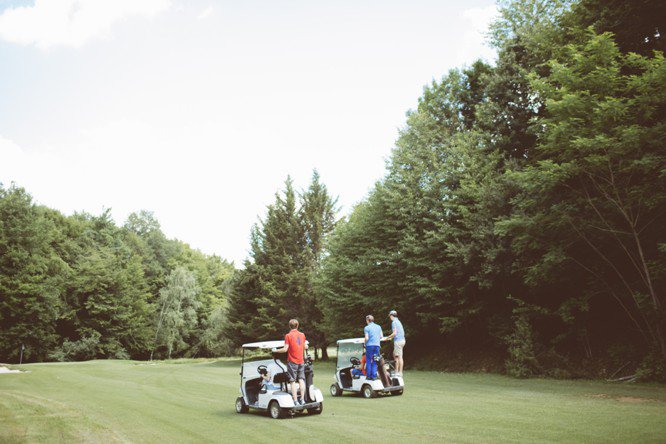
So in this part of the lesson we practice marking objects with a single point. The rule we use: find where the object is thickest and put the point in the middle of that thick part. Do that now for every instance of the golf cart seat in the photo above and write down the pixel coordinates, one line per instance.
(281, 378)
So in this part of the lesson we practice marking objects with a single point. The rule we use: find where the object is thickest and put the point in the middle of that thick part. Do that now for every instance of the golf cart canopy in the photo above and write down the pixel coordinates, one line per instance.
(352, 341)
(265, 344)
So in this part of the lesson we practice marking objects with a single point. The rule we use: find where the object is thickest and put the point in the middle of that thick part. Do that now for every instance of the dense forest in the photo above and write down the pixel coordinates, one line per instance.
(80, 287)
(519, 227)
(521, 217)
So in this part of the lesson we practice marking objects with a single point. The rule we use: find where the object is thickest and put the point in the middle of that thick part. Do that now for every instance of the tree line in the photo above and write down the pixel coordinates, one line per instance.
(523, 209)
(80, 287)
(521, 217)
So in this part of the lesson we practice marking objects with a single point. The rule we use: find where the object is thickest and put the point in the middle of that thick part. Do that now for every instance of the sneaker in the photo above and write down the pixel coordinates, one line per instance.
(300, 402)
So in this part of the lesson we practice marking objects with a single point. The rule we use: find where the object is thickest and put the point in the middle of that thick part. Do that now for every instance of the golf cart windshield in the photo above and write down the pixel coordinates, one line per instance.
(347, 349)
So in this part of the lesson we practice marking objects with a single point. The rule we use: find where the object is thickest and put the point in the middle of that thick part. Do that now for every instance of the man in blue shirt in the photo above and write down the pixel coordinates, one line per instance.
(373, 336)
(398, 336)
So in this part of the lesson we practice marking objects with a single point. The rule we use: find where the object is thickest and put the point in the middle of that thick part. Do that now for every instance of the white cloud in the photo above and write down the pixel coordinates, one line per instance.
(474, 38)
(205, 13)
(50, 23)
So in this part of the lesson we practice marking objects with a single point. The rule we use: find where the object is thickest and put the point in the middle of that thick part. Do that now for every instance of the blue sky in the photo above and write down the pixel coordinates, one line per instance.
(198, 110)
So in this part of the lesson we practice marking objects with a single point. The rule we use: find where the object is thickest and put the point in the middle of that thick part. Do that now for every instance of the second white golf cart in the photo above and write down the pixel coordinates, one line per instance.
(350, 353)
(257, 361)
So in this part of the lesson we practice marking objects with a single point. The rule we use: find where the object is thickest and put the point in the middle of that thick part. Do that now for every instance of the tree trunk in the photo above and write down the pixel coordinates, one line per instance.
(324, 353)
(660, 339)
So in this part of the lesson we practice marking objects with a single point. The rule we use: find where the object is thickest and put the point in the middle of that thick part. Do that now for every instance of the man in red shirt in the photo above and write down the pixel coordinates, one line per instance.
(294, 346)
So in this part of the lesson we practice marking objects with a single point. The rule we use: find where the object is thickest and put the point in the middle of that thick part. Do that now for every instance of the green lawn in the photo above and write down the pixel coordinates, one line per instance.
(188, 401)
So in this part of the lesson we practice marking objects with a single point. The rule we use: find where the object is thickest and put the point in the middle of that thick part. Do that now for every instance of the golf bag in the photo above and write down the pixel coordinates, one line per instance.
(383, 373)
(309, 377)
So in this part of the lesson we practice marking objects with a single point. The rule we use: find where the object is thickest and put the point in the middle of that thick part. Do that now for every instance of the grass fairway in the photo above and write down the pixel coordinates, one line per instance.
(188, 401)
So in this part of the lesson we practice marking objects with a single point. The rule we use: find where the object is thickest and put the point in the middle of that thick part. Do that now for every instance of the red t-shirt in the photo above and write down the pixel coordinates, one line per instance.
(296, 341)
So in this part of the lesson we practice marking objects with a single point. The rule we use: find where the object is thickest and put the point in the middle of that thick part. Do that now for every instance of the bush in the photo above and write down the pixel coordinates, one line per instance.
(81, 350)
(653, 368)
(522, 362)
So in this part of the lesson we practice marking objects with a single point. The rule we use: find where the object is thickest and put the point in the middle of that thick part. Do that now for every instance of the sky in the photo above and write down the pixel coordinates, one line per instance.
(198, 110)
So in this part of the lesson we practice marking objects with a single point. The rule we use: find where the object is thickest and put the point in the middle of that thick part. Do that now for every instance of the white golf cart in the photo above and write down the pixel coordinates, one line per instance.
(277, 401)
(350, 352)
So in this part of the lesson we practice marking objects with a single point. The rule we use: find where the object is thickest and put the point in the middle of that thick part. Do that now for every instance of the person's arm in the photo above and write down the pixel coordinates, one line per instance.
(283, 349)
(392, 335)
(366, 337)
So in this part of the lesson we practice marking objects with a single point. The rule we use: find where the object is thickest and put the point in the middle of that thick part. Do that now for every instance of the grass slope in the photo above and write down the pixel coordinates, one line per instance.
(193, 401)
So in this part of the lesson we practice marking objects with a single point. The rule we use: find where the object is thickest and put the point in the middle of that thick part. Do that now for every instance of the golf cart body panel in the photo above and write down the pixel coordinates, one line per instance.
(350, 353)
(256, 396)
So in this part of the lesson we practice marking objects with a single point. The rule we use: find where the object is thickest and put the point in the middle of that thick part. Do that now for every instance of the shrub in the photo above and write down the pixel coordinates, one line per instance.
(522, 362)
(81, 350)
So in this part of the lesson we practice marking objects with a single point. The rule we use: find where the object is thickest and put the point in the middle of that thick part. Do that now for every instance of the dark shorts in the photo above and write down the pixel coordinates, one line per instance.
(295, 371)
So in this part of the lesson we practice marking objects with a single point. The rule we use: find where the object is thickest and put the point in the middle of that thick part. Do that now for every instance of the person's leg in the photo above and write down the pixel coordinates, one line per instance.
(301, 383)
(398, 348)
(292, 381)
(370, 361)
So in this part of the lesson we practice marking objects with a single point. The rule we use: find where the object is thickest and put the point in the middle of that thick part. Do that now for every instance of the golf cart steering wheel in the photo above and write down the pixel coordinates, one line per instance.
(354, 360)
(262, 369)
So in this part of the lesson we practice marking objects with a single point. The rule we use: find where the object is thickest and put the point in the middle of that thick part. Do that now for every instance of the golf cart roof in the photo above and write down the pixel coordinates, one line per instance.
(352, 341)
(264, 344)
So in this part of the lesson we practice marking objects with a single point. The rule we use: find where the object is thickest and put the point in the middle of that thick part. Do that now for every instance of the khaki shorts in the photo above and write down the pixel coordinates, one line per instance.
(397, 347)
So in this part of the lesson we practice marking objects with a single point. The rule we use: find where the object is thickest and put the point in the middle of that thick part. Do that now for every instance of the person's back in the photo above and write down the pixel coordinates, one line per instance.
(396, 325)
(373, 337)
(374, 333)
(296, 341)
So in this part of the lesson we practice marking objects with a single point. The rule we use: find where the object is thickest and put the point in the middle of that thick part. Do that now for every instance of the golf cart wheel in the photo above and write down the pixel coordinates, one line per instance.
(316, 411)
(397, 393)
(241, 407)
(367, 392)
(275, 410)
(336, 390)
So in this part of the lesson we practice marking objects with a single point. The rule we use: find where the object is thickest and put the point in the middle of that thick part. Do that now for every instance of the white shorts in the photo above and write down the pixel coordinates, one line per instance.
(397, 347)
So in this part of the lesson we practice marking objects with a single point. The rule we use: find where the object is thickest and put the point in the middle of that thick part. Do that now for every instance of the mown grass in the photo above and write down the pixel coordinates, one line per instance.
(193, 401)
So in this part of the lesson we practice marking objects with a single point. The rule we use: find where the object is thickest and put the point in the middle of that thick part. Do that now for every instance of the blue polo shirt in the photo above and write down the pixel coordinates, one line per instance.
(374, 332)
(399, 331)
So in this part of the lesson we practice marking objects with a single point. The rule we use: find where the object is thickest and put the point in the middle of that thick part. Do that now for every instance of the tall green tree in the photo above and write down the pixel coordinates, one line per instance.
(177, 312)
(277, 283)
(29, 278)
(319, 217)
(595, 196)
